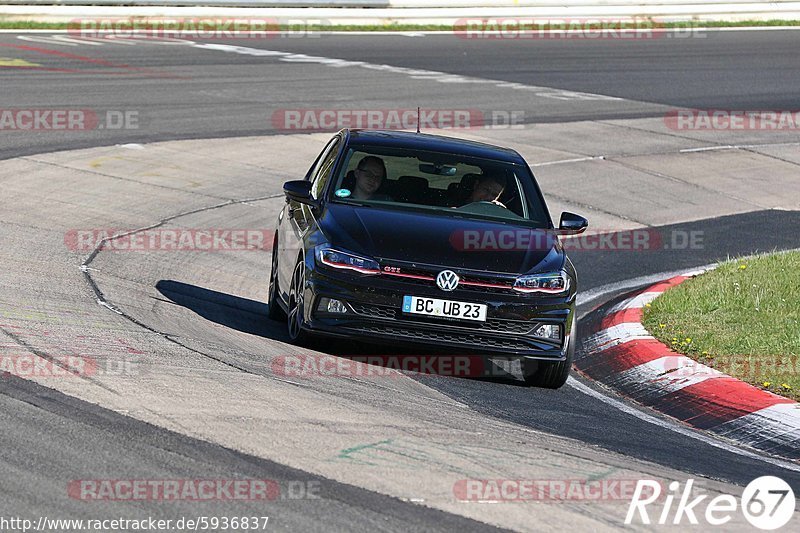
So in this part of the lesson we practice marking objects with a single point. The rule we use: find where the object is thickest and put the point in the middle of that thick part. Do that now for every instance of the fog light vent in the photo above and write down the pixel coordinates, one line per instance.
(332, 305)
(549, 331)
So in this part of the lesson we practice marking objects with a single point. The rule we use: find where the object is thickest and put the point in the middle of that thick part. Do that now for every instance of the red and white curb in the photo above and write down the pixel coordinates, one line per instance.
(624, 356)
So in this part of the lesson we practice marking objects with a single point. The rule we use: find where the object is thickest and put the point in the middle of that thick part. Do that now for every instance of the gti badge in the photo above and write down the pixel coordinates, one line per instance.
(447, 280)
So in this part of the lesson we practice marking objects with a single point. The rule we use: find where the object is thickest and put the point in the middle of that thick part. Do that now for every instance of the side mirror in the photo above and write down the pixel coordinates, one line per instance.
(299, 191)
(572, 224)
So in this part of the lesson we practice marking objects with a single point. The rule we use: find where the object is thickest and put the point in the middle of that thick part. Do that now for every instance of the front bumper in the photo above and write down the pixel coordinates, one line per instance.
(374, 313)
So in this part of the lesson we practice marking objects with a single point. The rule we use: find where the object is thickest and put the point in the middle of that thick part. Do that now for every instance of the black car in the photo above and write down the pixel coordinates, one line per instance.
(426, 240)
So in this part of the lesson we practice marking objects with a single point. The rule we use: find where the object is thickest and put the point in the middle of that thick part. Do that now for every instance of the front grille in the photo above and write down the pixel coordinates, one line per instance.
(507, 285)
(477, 341)
(496, 325)
(484, 290)
(509, 326)
(376, 311)
(406, 276)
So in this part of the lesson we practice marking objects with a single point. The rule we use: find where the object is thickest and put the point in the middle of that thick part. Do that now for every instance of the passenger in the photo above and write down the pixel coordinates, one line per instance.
(369, 174)
(487, 189)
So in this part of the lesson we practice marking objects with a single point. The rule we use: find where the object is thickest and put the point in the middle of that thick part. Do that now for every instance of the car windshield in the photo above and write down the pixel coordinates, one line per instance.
(439, 182)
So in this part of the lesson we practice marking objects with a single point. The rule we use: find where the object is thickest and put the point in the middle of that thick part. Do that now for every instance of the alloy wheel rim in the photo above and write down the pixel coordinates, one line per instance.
(296, 303)
(272, 277)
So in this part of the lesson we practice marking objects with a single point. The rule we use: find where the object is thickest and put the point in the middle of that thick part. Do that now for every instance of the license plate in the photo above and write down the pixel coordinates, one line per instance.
(444, 308)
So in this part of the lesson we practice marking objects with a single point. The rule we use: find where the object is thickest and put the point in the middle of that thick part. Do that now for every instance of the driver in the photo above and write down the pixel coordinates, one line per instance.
(487, 189)
(369, 173)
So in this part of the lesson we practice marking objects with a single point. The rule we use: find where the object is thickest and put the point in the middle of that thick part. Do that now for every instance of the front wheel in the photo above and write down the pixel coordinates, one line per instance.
(551, 375)
(296, 312)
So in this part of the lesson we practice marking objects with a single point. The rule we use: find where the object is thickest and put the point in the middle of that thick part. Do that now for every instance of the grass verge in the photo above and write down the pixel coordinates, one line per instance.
(742, 319)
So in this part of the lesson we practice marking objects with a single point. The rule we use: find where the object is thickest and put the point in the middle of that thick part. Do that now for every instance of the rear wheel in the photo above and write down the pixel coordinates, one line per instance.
(275, 312)
(551, 375)
(294, 319)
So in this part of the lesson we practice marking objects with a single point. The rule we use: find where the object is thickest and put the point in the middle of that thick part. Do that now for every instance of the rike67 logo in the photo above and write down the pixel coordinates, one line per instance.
(768, 503)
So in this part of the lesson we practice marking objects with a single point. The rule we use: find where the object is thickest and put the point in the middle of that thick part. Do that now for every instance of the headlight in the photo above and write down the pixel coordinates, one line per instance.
(550, 283)
(345, 260)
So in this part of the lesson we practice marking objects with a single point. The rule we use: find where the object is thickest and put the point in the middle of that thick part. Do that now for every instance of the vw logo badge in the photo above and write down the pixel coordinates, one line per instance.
(447, 280)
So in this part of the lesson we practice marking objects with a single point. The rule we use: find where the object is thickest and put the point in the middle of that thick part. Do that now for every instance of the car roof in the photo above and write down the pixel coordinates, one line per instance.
(436, 143)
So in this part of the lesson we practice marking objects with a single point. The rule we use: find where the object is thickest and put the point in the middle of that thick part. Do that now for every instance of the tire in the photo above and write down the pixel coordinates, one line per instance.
(275, 311)
(551, 375)
(294, 318)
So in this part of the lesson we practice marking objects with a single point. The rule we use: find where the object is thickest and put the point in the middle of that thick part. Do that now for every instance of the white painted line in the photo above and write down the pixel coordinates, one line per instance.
(693, 434)
(562, 161)
(106, 304)
(449, 32)
(697, 272)
(753, 28)
(433, 75)
(119, 40)
(77, 41)
(733, 147)
(33, 31)
(763, 145)
(707, 149)
(45, 40)
(61, 40)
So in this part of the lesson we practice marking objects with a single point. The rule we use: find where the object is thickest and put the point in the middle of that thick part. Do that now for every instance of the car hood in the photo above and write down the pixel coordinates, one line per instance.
(431, 239)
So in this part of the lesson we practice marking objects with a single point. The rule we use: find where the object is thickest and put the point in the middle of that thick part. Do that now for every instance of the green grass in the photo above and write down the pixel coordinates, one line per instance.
(742, 319)
(34, 25)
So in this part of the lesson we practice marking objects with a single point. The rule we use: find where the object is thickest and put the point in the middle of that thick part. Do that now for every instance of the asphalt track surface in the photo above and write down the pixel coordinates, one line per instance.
(182, 92)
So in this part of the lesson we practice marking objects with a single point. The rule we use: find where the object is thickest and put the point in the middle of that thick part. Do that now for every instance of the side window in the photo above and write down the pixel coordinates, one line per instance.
(318, 161)
(320, 174)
